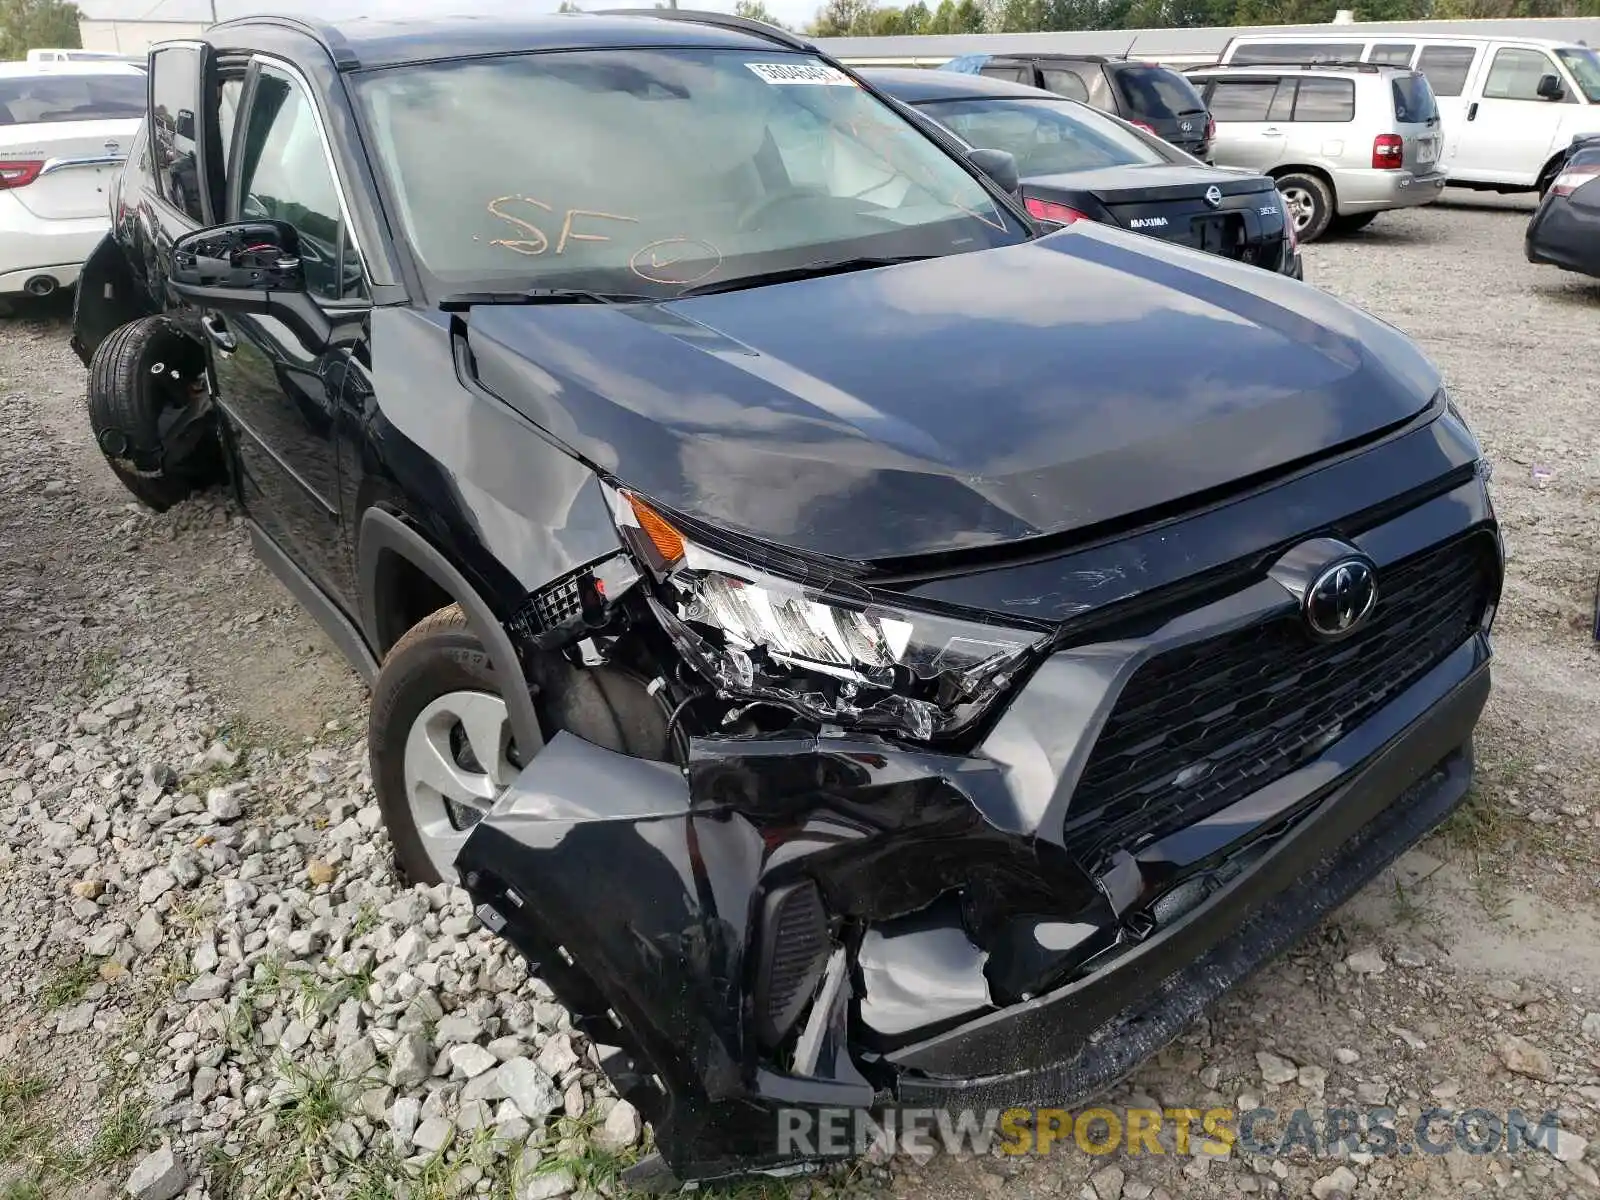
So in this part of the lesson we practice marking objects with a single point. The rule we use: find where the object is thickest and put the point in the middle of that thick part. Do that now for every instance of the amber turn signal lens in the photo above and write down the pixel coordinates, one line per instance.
(667, 541)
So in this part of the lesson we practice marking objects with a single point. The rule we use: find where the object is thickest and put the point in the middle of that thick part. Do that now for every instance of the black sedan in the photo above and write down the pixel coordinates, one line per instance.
(1077, 163)
(1565, 231)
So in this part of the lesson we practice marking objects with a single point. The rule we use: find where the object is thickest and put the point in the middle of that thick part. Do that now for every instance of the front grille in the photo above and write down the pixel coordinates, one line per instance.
(1200, 727)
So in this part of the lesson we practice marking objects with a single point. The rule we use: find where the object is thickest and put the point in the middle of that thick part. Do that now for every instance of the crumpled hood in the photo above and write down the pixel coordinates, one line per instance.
(958, 402)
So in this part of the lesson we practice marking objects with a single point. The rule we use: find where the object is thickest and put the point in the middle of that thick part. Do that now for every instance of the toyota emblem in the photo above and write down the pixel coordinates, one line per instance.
(1214, 196)
(1341, 598)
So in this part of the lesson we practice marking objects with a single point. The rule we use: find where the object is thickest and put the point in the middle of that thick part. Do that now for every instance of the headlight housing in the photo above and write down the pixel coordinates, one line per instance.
(827, 650)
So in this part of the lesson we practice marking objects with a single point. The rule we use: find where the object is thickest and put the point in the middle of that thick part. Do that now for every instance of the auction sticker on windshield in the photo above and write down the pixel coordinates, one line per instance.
(808, 73)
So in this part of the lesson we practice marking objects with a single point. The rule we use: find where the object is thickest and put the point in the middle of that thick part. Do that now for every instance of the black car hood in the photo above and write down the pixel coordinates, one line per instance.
(958, 402)
(1149, 182)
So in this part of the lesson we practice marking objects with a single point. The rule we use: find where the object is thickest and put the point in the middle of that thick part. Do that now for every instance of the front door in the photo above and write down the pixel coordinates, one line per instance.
(1511, 130)
(278, 386)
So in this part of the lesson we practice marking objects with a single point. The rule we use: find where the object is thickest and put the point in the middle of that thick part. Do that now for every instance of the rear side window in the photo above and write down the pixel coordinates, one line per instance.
(1325, 100)
(1157, 92)
(1242, 99)
(1295, 52)
(1392, 54)
(174, 92)
(48, 99)
(1009, 74)
(1413, 100)
(1447, 68)
(1515, 74)
(1065, 83)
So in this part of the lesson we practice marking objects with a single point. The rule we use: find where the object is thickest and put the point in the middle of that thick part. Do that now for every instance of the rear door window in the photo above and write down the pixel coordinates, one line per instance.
(1392, 54)
(1325, 100)
(1009, 73)
(1157, 93)
(1065, 83)
(1447, 68)
(1242, 99)
(48, 99)
(174, 95)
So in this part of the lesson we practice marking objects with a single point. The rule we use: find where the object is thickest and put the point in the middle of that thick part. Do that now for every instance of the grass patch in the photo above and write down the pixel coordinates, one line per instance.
(99, 668)
(67, 983)
(21, 1189)
(125, 1132)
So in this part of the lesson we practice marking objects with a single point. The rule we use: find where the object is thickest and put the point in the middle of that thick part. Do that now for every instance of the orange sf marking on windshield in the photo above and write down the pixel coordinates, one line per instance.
(537, 241)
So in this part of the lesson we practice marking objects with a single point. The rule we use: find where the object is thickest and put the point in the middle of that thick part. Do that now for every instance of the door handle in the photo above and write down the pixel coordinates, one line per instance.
(1272, 133)
(1472, 111)
(217, 331)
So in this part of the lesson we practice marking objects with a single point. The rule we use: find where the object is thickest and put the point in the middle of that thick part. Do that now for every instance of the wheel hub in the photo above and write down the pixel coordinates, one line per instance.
(459, 757)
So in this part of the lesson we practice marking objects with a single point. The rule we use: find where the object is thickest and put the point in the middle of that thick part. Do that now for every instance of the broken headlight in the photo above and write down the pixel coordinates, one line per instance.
(826, 649)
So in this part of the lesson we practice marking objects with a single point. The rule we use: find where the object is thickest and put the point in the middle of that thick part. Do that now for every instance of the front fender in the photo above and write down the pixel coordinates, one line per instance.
(107, 297)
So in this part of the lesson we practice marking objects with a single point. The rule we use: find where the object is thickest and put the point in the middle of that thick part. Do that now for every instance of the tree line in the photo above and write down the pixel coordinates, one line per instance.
(36, 25)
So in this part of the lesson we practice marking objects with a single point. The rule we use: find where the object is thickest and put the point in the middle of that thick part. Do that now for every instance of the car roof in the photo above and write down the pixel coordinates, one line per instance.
(106, 66)
(363, 42)
(915, 85)
(1404, 35)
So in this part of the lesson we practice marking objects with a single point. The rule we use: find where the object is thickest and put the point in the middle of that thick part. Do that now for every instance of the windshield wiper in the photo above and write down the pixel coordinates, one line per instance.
(461, 301)
(811, 270)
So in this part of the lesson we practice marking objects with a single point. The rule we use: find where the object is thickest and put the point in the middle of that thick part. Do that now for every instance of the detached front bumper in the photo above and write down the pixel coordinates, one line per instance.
(823, 922)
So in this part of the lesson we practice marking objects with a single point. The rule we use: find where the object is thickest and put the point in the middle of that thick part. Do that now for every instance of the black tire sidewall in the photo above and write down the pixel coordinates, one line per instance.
(416, 674)
(1322, 195)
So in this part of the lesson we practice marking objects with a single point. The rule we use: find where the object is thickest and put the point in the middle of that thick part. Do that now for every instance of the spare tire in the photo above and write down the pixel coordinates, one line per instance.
(151, 411)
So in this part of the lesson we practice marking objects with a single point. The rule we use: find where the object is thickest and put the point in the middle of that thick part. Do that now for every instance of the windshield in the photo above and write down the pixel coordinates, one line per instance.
(1157, 93)
(644, 171)
(1046, 136)
(1413, 100)
(44, 99)
(1585, 67)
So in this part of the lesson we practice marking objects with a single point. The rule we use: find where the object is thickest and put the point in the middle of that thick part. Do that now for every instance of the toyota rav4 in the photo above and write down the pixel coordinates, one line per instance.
(863, 649)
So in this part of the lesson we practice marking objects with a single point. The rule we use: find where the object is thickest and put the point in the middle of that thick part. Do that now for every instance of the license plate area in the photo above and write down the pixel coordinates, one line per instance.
(1427, 150)
(1221, 234)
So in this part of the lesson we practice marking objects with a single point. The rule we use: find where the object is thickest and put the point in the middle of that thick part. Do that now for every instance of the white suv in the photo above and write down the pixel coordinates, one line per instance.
(1345, 141)
(65, 128)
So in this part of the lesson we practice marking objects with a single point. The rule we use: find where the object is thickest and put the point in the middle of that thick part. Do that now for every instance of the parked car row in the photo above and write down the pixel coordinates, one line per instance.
(863, 644)
(65, 129)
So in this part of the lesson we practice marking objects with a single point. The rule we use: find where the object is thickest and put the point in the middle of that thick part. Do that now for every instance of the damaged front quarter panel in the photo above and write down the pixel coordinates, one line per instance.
(704, 923)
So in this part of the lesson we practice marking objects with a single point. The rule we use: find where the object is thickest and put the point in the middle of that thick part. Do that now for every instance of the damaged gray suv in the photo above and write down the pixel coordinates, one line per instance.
(862, 647)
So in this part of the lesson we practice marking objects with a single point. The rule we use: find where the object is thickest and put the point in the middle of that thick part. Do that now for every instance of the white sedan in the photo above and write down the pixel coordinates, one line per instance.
(65, 129)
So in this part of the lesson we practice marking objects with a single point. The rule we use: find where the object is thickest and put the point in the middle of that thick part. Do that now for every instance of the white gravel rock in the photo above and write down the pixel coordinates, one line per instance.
(470, 1061)
(411, 1061)
(159, 1176)
(529, 1088)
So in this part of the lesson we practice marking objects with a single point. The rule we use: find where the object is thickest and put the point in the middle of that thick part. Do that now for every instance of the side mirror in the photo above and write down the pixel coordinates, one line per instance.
(242, 260)
(1550, 88)
(998, 165)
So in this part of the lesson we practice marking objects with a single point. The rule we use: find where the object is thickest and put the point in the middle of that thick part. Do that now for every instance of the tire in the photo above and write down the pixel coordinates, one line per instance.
(1351, 224)
(1309, 200)
(144, 379)
(1548, 176)
(438, 692)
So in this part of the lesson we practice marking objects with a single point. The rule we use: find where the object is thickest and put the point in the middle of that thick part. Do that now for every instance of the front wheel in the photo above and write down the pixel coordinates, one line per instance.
(1309, 201)
(440, 743)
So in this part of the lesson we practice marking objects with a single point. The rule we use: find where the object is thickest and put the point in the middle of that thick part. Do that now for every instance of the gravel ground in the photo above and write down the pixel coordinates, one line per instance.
(210, 984)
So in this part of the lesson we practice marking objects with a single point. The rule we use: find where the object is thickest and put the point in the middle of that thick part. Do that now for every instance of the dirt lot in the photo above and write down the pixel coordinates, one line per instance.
(1469, 978)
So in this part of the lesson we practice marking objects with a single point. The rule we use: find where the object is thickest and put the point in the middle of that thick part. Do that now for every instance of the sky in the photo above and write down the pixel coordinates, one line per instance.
(792, 12)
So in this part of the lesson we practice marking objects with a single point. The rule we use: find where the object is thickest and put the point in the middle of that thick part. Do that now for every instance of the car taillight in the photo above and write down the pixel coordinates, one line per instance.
(1151, 129)
(1388, 152)
(19, 173)
(1573, 178)
(1211, 128)
(1288, 224)
(1048, 210)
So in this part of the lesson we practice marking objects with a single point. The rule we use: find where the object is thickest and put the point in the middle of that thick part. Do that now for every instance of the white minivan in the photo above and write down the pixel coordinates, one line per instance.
(1509, 107)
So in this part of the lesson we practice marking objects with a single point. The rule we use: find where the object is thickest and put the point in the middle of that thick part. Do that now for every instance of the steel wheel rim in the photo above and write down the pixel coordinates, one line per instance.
(1302, 207)
(458, 759)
